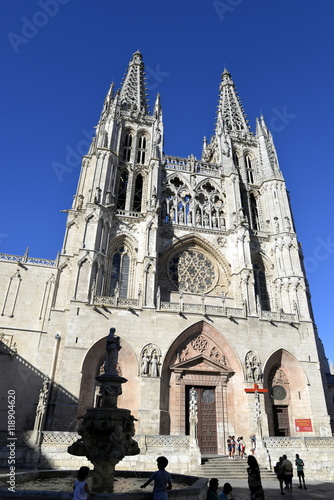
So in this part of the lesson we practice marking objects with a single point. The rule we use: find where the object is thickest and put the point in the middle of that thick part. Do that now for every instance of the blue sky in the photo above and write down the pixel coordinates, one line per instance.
(58, 58)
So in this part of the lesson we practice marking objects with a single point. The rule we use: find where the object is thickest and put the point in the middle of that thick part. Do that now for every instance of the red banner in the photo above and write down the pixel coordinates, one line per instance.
(303, 425)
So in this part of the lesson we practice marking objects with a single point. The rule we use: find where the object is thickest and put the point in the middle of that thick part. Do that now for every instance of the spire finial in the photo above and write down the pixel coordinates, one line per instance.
(133, 91)
(230, 111)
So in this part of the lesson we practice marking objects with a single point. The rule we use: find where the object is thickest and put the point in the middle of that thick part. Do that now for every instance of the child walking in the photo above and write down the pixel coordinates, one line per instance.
(162, 480)
(81, 489)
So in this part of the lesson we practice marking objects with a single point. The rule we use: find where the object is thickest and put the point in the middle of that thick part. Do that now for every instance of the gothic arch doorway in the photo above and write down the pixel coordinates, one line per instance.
(93, 364)
(284, 376)
(199, 362)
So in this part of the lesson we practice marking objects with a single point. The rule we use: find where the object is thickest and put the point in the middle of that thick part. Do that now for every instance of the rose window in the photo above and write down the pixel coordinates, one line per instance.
(191, 271)
(278, 392)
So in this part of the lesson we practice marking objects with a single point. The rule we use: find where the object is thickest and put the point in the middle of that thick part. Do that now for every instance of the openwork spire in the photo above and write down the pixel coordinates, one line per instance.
(133, 91)
(230, 108)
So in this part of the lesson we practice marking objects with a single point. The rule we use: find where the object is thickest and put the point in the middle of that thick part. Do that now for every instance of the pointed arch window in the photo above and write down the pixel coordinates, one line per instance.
(249, 170)
(260, 286)
(138, 194)
(122, 189)
(127, 146)
(141, 150)
(254, 212)
(120, 269)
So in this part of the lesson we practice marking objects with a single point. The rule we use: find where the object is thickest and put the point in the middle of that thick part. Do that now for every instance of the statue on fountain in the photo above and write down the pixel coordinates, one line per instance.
(107, 432)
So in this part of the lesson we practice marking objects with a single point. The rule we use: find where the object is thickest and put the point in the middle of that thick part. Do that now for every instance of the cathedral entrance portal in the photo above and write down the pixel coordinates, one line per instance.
(199, 373)
(205, 416)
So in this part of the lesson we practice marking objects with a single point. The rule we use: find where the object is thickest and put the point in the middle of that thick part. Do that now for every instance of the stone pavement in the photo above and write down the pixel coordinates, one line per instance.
(315, 490)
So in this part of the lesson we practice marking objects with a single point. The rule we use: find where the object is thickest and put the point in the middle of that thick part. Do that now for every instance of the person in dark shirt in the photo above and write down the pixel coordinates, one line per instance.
(162, 480)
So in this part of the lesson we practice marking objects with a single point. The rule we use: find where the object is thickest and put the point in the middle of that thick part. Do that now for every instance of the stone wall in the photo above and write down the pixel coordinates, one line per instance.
(182, 452)
(316, 452)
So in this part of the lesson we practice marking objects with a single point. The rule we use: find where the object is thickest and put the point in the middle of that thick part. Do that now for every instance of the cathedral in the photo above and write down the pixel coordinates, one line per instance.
(195, 263)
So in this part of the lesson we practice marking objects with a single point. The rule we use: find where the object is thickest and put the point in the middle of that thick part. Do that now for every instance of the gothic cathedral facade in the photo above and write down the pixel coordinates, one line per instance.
(197, 265)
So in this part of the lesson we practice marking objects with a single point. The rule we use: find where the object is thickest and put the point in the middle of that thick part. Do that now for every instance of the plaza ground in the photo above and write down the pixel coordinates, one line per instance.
(315, 489)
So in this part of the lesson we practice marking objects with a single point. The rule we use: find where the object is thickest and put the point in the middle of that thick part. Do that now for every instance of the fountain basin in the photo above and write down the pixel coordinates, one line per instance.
(195, 487)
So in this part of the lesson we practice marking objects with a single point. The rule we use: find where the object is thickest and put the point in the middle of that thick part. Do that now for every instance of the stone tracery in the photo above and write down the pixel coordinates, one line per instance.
(200, 207)
(201, 345)
(191, 271)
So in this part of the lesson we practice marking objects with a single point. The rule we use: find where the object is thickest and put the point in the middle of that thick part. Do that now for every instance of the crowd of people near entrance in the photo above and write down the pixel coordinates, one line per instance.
(283, 470)
(236, 447)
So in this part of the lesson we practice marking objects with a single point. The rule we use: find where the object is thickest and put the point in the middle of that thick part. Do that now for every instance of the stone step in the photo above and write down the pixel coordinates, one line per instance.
(224, 468)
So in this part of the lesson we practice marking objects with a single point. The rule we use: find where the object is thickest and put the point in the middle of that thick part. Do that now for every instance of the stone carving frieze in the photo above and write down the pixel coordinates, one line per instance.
(279, 377)
(201, 345)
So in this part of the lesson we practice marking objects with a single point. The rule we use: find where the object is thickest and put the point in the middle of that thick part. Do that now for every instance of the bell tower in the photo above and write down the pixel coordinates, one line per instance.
(111, 229)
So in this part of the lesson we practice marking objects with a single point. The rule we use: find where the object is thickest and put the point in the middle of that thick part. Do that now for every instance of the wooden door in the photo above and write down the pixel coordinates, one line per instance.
(207, 424)
(281, 420)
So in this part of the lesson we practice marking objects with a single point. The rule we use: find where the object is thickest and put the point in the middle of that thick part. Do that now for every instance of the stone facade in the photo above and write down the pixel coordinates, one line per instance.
(197, 265)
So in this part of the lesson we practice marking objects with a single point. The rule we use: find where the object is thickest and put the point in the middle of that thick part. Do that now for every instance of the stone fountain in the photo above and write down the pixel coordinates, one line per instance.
(107, 432)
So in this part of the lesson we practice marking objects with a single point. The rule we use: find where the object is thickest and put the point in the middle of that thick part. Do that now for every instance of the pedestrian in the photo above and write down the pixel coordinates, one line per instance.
(254, 479)
(300, 471)
(253, 444)
(242, 447)
(288, 474)
(212, 493)
(81, 489)
(233, 446)
(280, 473)
(162, 480)
(227, 488)
(239, 447)
(229, 447)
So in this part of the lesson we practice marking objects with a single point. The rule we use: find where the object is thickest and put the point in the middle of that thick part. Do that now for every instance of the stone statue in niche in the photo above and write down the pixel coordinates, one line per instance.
(198, 218)
(221, 220)
(150, 361)
(287, 224)
(41, 406)
(80, 202)
(154, 365)
(253, 370)
(214, 220)
(145, 363)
